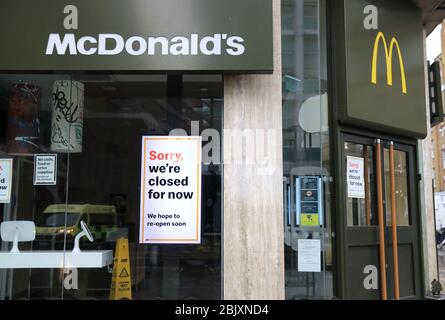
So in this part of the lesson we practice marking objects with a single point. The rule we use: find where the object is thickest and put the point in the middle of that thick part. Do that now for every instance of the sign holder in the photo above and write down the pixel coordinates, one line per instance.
(309, 209)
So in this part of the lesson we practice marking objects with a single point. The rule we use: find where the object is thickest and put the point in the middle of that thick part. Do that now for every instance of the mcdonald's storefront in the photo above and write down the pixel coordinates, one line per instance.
(255, 149)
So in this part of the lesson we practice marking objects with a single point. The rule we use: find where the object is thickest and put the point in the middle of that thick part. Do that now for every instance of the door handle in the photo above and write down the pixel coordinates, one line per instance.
(395, 249)
(382, 258)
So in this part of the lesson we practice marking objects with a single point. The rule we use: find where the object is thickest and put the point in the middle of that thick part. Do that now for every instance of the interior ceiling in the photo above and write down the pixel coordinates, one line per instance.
(433, 13)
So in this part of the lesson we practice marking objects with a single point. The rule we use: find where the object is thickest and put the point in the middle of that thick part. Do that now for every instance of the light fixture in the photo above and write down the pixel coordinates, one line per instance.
(292, 77)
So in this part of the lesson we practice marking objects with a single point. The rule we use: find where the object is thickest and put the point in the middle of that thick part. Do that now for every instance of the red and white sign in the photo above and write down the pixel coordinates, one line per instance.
(355, 177)
(5, 180)
(170, 190)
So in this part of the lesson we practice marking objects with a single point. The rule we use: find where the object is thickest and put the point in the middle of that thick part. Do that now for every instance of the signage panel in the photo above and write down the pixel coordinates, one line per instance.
(309, 209)
(137, 35)
(45, 169)
(170, 190)
(380, 73)
(355, 177)
(309, 255)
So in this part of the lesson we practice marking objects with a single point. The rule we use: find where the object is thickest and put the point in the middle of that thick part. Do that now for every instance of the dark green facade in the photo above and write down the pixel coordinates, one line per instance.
(372, 103)
(26, 26)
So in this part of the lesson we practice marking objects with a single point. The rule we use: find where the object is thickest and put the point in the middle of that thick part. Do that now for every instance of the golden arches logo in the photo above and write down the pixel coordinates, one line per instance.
(388, 55)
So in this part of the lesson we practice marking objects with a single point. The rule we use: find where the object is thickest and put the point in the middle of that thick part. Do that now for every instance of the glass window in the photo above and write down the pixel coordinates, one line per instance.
(94, 123)
(57, 219)
(98, 219)
(307, 182)
(401, 188)
(443, 158)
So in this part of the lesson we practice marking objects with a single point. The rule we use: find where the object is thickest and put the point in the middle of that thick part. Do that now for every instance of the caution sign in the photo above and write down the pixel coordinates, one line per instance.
(309, 220)
(121, 277)
(124, 273)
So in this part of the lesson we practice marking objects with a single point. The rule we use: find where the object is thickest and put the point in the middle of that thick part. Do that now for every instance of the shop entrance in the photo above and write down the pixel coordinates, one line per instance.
(379, 186)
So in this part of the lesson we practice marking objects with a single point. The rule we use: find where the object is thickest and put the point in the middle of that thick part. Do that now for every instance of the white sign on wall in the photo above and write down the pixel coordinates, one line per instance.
(5, 180)
(309, 255)
(355, 177)
(45, 169)
(170, 190)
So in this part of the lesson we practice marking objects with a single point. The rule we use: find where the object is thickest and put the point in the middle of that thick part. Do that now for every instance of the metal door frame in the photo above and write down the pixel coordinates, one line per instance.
(339, 218)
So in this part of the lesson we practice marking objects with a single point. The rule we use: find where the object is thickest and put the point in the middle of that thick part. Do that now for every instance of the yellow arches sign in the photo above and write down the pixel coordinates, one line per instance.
(389, 58)
(379, 66)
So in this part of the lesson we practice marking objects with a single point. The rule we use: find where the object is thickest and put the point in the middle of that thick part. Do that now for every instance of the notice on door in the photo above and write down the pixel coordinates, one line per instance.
(355, 177)
(45, 169)
(5, 180)
(170, 190)
(309, 255)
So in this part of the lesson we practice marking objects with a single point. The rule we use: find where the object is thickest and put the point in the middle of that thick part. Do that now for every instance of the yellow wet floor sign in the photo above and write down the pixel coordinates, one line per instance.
(121, 277)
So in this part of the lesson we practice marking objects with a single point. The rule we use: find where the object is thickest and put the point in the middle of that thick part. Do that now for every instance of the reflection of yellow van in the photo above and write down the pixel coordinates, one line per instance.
(101, 220)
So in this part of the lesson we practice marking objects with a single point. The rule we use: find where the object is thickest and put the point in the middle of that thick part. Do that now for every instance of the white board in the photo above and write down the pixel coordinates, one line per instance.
(355, 177)
(309, 255)
(170, 190)
(45, 169)
(5, 180)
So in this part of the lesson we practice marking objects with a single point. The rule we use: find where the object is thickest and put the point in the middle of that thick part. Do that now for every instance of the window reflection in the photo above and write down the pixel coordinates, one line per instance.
(95, 131)
(401, 185)
(305, 145)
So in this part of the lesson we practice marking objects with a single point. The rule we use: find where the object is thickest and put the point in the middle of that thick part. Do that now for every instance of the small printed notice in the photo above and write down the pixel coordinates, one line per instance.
(309, 255)
(355, 177)
(170, 190)
(5, 180)
(45, 169)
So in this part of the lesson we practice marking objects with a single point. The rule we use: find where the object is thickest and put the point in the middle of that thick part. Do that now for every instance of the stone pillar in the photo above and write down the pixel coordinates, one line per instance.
(427, 213)
(253, 250)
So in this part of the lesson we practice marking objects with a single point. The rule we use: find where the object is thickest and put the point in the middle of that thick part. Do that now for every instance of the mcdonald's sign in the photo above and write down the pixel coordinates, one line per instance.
(379, 67)
(380, 38)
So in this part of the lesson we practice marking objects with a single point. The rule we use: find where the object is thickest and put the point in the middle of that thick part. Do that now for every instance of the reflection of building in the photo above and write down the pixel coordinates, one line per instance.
(439, 206)
(438, 132)
(438, 150)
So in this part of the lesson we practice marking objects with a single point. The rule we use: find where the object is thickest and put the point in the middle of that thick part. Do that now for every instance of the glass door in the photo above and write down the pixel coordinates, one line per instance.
(381, 239)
